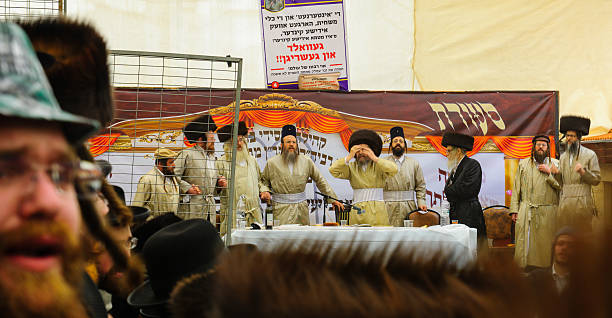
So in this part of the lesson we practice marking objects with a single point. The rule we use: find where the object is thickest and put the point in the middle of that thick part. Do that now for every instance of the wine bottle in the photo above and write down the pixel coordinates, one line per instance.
(269, 216)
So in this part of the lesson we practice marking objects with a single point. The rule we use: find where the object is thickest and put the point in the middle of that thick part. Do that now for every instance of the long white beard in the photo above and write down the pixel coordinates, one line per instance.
(241, 155)
(454, 157)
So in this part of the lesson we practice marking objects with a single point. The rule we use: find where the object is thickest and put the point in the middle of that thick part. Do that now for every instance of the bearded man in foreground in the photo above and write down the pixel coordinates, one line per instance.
(41, 260)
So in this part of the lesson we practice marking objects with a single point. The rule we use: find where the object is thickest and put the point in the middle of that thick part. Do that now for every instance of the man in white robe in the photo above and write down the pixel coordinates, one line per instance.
(247, 177)
(578, 172)
(367, 175)
(285, 177)
(196, 165)
(406, 190)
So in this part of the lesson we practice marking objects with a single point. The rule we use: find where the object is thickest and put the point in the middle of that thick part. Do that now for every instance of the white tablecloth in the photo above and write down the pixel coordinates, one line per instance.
(457, 242)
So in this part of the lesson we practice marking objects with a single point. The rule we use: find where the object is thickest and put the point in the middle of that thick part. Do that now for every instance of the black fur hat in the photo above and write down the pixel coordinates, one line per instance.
(74, 57)
(458, 140)
(368, 137)
(225, 132)
(575, 123)
(198, 128)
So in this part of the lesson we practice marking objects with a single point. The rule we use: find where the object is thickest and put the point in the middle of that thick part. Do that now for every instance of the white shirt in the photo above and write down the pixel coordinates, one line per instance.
(398, 161)
(560, 280)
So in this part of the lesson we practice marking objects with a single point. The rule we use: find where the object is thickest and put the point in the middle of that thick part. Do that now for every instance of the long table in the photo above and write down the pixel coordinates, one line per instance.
(457, 242)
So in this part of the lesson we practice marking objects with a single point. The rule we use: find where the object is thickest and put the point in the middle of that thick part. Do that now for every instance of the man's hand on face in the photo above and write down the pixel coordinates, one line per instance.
(514, 217)
(369, 153)
(578, 168)
(352, 153)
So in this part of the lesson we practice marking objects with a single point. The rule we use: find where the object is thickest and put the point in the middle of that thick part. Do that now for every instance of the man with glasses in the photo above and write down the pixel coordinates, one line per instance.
(535, 199)
(578, 172)
(40, 256)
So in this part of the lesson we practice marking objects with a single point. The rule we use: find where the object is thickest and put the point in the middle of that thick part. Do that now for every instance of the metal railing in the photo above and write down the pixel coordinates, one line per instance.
(156, 96)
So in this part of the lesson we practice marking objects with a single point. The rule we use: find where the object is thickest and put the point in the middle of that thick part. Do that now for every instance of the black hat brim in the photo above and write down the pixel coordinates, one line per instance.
(225, 132)
(458, 140)
(199, 126)
(143, 296)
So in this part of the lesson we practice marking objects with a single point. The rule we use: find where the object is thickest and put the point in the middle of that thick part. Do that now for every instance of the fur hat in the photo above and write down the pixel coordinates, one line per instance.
(74, 57)
(25, 92)
(288, 130)
(368, 137)
(575, 123)
(225, 132)
(198, 128)
(458, 140)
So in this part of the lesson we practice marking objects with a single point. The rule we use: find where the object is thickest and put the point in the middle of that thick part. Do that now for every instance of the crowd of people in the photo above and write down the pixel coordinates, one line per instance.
(66, 233)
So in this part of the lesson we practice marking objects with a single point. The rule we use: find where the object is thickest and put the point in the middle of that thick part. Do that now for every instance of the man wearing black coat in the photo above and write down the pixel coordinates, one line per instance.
(463, 186)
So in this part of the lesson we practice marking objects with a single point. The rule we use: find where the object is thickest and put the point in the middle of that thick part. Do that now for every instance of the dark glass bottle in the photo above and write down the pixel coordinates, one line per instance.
(269, 216)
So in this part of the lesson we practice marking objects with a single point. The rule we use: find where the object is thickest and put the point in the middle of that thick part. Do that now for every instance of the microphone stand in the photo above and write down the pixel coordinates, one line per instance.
(325, 197)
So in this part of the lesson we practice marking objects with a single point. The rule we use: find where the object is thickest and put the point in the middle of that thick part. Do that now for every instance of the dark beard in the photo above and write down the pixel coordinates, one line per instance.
(167, 171)
(51, 293)
(398, 151)
(573, 149)
(128, 280)
(540, 157)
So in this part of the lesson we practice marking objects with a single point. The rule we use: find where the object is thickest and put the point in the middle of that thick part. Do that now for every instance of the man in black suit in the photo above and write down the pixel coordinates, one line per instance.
(463, 186)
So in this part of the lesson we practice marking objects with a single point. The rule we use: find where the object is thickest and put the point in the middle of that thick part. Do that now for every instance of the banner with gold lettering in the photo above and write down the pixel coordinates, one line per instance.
(502, 123)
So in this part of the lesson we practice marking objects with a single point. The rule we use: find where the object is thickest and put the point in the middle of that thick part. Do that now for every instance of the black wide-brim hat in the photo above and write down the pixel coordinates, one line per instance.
(368, 137)
(575, 123)
(75, 59)
(173, 253)
(225, 132)
(199, 127)
(139, 213)
(458, 140)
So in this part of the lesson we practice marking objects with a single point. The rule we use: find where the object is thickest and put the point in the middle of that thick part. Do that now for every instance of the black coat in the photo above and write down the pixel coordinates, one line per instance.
(462, 190)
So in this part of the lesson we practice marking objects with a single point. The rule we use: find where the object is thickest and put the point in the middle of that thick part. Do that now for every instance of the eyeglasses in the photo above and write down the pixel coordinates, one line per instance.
(131, 242)
(20, 174)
